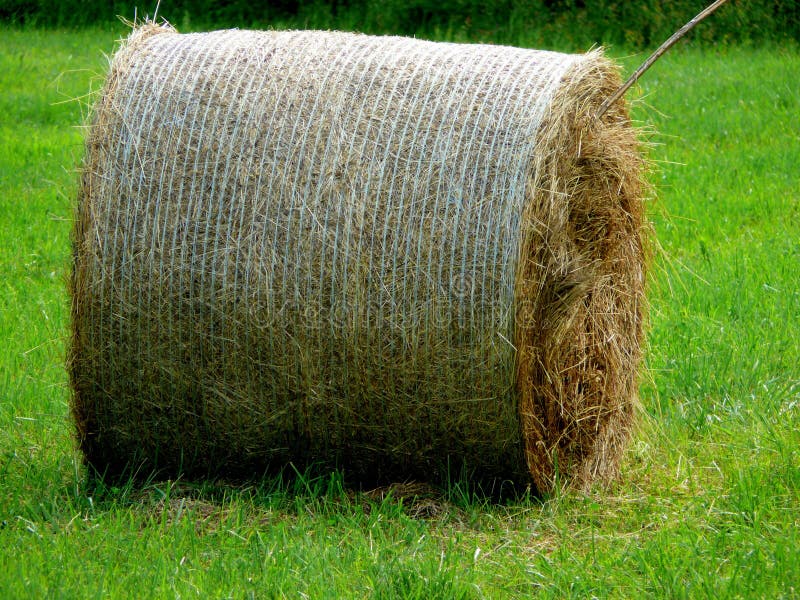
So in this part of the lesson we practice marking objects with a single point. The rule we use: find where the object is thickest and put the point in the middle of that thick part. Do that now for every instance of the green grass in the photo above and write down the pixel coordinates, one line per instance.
(708, 503)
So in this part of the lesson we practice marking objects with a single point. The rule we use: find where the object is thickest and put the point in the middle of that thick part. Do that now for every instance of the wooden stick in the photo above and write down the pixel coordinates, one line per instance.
(656, 55)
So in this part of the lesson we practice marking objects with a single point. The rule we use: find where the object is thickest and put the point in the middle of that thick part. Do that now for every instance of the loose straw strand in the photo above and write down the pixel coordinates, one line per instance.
(656, 55)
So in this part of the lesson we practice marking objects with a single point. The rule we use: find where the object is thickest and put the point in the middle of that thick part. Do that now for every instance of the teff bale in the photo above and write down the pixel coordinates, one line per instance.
(376, 253)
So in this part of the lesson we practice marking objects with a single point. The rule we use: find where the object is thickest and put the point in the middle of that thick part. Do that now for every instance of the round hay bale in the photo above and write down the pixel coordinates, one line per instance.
(387, 255)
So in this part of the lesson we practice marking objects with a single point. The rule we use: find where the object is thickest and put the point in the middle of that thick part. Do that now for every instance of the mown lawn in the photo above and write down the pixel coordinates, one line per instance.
(708, 504)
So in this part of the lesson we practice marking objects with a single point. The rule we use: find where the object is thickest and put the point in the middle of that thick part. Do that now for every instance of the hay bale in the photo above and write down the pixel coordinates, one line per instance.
(378, 253)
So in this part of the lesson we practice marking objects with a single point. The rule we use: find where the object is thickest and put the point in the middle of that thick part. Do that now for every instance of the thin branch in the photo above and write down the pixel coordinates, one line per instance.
(656, 55)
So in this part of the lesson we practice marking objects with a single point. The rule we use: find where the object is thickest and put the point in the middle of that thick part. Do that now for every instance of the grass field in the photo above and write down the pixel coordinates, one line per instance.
(708, 505)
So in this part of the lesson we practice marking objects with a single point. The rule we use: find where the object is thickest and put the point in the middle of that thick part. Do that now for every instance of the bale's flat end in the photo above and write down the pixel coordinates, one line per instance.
(581, 300)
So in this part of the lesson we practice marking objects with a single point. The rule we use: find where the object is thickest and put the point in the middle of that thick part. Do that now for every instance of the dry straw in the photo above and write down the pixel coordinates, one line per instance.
(378, 253)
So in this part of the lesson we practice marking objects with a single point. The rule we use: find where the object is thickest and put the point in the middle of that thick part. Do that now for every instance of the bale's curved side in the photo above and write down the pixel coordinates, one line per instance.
(388, 255)
(86, 358)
